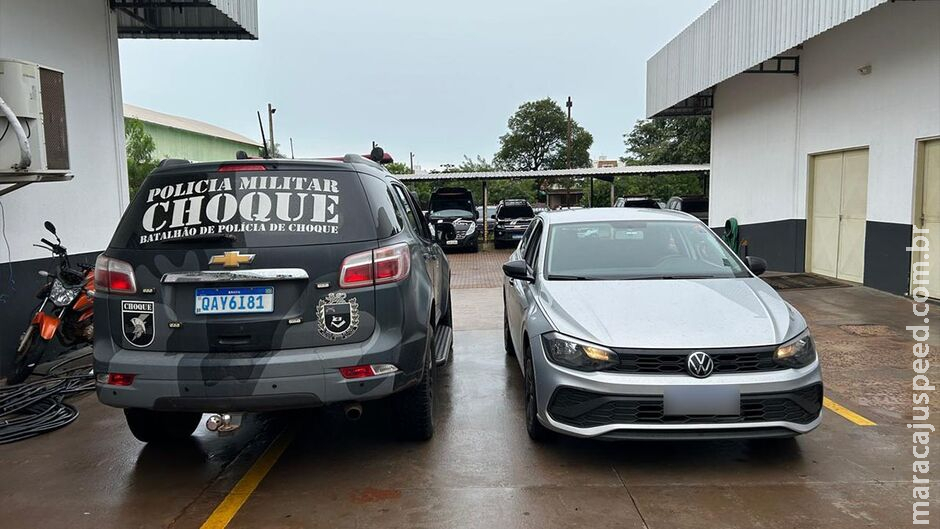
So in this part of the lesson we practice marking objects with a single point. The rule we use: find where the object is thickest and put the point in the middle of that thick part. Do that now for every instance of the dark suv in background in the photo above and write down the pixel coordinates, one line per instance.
(259, 285)
(512, 216)
(454, 216)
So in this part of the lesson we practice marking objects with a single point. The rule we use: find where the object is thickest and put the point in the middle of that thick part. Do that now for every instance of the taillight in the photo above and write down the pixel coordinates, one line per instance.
(120, 379)
(376, 267)
(364, 371)
(114, 275)
(392, 263)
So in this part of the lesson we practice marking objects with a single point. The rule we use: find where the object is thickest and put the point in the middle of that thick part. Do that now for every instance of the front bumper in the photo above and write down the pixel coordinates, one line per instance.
(461, 243)
(508, 235)
(630, 406)
(274, 380)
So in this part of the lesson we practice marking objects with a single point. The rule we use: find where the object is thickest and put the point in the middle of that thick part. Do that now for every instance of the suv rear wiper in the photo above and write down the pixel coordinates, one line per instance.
(204, 237)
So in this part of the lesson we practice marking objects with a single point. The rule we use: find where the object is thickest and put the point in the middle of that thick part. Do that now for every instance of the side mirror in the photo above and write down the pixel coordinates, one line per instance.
(476, 214)
(519, 270)
(493, 217)
(50, 226)
(756, 265)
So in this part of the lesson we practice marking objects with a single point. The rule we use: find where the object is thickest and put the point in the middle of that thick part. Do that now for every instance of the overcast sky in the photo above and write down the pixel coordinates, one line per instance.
(434, 77)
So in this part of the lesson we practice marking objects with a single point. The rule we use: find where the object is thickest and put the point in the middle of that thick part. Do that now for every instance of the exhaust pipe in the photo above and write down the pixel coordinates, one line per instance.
(353, 411)
(222, 423)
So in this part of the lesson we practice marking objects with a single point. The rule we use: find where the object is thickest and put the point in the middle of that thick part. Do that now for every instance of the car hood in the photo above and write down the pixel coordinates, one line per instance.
(670, 314)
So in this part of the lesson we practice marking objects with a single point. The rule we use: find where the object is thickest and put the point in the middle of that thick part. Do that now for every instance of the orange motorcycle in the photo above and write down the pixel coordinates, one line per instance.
(66, 312)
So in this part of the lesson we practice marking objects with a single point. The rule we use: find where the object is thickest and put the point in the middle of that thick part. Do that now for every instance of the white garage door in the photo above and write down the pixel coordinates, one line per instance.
(838, 211)
(929, 209)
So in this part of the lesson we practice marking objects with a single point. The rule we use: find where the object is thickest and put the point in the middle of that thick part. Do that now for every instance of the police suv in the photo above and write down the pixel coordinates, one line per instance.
(257, 285)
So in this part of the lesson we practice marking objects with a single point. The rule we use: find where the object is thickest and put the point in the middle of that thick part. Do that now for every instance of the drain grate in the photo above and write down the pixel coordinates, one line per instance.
(801, 281)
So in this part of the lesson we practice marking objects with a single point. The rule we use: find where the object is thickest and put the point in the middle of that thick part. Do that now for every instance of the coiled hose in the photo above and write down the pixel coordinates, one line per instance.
(34, 408)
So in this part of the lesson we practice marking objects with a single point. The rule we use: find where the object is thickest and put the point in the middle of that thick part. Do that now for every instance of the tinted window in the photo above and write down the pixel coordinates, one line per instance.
(637, 249)
(515, 212)
(256, 209)
(409, 211)
(532, 249)
(388, 217)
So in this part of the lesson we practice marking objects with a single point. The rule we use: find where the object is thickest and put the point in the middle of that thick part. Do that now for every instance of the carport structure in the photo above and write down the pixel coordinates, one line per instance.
(607, 174)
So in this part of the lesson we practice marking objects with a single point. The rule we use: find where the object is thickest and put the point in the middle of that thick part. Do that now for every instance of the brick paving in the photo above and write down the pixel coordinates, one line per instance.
(477, 270)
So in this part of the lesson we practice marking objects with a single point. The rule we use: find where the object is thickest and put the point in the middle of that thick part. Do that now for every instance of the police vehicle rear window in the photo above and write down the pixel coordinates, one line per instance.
(247, 208)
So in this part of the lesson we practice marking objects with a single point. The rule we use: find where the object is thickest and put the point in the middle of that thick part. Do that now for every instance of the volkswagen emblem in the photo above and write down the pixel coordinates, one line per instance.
(700, 365)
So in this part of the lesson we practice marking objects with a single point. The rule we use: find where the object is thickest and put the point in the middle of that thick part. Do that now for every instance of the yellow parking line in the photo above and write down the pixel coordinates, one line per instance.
(847, 413)
(239, 494)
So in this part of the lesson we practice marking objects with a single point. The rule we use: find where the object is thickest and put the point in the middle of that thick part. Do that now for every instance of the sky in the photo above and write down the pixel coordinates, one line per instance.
(432, 77)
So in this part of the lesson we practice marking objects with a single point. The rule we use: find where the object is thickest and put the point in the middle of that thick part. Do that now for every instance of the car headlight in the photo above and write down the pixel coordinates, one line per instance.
(583, 356)
(798, 352)
(471, 228)
(60, 295)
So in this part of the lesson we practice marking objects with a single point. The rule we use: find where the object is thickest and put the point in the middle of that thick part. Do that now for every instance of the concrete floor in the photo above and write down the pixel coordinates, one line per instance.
(481, 470)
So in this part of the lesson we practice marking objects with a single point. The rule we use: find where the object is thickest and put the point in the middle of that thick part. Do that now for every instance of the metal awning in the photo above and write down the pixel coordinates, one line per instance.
(595, 172)
(186, 19)
(732, 37)
(10, 182)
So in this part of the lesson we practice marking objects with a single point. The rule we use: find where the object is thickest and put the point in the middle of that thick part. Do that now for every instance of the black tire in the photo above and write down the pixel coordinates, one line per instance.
(507, 337)
(28, 353)
(415, 405)
(151, 426)
(537, 432)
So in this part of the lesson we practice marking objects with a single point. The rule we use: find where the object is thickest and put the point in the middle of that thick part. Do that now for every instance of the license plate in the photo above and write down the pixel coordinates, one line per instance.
(236, 300)
(517, 236)
(702, 400)
(452, 242)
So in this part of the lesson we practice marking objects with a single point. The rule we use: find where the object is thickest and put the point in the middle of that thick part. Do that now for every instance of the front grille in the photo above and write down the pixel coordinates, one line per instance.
(742, 360)
(585, 409)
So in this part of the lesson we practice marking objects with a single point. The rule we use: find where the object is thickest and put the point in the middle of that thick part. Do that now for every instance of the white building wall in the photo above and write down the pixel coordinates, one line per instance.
(887, 110)
(754, 135)
(766, 126)
(78, 37)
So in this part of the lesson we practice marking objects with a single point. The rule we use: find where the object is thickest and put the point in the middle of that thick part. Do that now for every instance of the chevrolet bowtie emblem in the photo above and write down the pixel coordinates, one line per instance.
(232, 259)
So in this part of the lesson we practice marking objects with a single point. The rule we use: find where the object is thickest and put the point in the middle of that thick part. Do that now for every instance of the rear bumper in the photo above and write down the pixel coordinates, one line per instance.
(273, 380)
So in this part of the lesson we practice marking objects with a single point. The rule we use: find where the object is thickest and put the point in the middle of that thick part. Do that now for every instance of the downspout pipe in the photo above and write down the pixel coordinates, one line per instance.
(25, 156)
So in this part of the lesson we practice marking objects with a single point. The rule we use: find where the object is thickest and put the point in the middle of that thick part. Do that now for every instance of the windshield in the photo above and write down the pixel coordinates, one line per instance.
(516, 212)
(451, 207)
(613, 250)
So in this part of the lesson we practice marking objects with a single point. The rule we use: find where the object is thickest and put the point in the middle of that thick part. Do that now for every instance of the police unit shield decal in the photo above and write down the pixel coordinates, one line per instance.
(137, 322)
(337, 317)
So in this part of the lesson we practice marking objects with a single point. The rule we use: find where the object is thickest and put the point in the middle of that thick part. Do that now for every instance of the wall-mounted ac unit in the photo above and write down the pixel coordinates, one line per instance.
(36, 96)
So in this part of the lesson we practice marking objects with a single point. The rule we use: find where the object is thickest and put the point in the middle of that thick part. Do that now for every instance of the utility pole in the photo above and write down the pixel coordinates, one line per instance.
(292, 148)
(568, 104)
(412, 156)
(271, 111)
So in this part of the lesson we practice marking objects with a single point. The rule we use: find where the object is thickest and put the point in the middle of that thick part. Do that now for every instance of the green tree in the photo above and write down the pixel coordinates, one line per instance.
(682, 140)
(398, 168)
(538, 139)
(140, 148)
(664, 141)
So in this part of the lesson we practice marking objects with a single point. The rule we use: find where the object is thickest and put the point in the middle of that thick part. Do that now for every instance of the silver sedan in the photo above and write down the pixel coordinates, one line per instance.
(641, 323)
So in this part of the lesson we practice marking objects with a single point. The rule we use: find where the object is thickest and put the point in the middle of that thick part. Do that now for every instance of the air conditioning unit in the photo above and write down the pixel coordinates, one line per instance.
(36, 96)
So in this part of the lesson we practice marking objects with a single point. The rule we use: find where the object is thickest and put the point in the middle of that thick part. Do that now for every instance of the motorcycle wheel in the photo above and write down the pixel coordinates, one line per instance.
(28, 354)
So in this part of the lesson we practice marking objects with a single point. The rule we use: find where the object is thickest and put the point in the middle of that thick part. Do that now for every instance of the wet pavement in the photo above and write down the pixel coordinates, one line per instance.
(481, 470)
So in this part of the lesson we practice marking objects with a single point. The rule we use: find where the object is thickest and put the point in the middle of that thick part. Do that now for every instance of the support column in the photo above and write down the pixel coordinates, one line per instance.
(484, 215)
